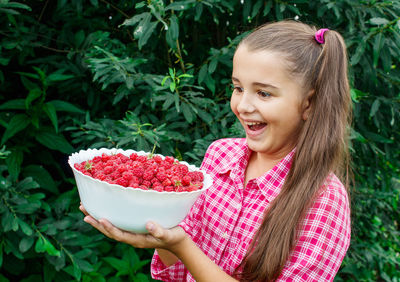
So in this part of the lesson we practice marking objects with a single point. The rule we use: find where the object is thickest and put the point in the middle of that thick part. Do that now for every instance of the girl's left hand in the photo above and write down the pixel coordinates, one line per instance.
(158, 236)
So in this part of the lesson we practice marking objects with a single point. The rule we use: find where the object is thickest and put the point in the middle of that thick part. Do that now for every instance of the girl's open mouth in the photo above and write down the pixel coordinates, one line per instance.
(255, 126)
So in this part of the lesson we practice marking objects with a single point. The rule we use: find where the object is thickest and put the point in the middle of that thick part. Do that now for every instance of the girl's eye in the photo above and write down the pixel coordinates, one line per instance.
(264, 94)
(237, 89)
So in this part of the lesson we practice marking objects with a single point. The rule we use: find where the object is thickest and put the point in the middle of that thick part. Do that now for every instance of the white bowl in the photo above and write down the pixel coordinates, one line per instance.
(130, 208)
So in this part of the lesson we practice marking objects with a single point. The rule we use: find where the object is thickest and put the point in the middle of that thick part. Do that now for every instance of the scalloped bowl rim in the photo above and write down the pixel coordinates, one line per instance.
(98, 152)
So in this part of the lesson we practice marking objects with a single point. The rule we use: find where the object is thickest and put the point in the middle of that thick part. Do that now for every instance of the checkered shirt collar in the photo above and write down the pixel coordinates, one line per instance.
(270, 183)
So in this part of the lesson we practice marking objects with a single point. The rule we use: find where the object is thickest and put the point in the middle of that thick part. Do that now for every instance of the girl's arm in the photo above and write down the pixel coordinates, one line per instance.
(198, 264)
(175, 243)
(167, 257)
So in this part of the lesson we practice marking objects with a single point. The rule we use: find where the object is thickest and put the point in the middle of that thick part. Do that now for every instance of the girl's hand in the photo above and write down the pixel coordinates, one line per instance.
(158, 236)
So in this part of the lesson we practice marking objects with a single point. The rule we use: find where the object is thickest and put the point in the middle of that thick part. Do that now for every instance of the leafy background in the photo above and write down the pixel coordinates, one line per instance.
(78, 74)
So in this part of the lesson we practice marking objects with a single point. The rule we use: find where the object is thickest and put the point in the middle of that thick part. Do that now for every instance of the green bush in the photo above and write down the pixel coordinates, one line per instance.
(79, 74)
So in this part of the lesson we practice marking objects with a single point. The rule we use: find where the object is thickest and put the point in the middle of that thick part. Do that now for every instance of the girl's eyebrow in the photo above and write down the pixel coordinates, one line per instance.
(261, 84)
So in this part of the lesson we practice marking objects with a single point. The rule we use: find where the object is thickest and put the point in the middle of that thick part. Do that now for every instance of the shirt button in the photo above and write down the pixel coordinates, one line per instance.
(225, 235)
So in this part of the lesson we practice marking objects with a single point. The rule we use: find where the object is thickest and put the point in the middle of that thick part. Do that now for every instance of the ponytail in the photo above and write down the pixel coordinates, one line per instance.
(321, 147)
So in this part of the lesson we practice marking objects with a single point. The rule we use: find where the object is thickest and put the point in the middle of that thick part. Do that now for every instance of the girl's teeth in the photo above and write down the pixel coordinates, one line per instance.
(256, 125)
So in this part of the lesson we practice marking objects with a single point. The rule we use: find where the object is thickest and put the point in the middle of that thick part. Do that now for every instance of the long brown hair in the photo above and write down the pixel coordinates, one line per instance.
(322, 146)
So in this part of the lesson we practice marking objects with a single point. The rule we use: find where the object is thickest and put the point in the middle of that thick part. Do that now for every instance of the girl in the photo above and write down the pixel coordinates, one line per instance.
(277, 209)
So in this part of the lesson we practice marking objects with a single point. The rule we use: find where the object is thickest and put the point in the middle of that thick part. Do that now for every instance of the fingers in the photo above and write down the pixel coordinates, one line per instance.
(82, 208)
(136, 240)
(155, 230)
(158, 236)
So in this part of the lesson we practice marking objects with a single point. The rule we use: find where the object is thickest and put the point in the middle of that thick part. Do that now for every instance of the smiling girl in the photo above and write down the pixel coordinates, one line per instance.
(277, 210)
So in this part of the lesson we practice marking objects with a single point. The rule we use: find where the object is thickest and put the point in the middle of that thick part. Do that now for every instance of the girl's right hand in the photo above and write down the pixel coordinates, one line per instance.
(158, 237)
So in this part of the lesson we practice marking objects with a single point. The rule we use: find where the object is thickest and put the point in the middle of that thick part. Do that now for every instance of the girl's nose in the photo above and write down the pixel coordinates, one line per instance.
(246, 103)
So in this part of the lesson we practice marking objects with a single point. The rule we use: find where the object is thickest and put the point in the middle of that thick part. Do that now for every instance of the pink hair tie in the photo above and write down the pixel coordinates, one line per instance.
(319, 35)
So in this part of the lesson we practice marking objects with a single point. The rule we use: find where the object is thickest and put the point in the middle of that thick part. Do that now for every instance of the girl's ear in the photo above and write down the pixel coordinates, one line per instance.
(307, 105)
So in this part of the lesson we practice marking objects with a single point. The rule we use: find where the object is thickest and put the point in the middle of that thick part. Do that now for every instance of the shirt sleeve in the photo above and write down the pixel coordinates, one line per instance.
(178, 271)
(324, 238)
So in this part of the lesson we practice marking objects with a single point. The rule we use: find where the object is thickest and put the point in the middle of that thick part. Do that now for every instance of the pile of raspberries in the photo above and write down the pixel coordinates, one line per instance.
(150, 172)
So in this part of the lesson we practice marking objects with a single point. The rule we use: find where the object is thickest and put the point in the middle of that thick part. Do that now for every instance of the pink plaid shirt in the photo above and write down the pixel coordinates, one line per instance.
(225, 218)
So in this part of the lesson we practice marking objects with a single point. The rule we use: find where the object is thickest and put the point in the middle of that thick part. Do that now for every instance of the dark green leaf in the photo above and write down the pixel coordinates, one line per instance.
(378, 44)
(42, 177)
(54, 141)
(17, 123)
(374, 107)
(32, 96)
(17, 104)
(118, 264)
(212, 66)
(199, 11)
(63, 106)
(27, 184)
(79, 38)
(172, 33)
(267, 8)
(358, 53)
(44, 245)
(9, 222)
(180, 6)
(202, 73)
(25, 228)
(378, 21)
(50, 110)
(256, 8)
(56, 77)
(13, 162)
(187, 112)
(26, 243)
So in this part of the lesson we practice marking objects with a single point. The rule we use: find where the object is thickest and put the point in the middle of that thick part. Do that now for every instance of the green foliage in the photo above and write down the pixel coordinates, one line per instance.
(79, 74)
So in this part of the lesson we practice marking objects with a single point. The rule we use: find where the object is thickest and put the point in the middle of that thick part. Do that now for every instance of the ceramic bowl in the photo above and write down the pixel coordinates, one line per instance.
(130, 208)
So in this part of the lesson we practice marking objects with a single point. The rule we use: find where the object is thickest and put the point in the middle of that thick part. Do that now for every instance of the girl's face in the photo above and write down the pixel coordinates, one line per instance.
(267, 101)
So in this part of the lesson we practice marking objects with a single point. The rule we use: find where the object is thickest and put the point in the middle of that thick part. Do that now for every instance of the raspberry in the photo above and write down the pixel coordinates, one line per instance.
(127, 175)
(146, 183)
(136, 179)
(133, 156)
(183, 169)
(161, 176)
(123, 158)
(180, 189)
(114, 175)
(148, 175)
(137, 171)
(105, 157)
(100, 176)
(133, 184)
(157, 159)
(97, 159)
(169, 159)
(186, 180)
(197, 176)
(158, 188)
(191, 188)
(141, 159)
(200, 176)
(169, 188)
(108, 169)
(78, 166)
(176, 181)
(121, 168)
(122, 181)
(167, 182)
